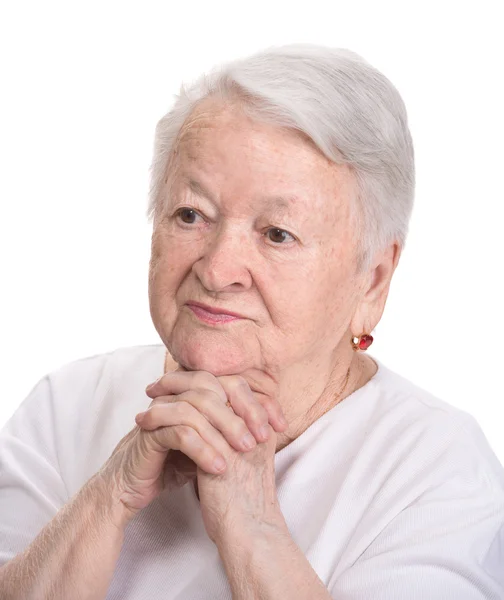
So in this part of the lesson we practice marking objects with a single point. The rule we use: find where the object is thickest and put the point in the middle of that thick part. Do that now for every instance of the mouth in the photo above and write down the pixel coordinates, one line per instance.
(212, 315)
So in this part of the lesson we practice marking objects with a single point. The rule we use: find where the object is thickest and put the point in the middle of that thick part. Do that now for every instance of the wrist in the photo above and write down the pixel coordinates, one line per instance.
(246, 533)
(107, 501)
(254, 559)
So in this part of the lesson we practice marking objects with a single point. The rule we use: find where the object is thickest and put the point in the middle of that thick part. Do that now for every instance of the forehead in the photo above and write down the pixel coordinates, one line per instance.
(220, 132)
(222, 147)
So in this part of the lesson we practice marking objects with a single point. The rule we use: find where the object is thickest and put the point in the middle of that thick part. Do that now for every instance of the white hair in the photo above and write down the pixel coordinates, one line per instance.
(349, 109)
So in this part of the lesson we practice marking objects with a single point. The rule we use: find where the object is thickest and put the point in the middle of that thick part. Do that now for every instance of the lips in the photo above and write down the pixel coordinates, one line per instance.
(212, 314)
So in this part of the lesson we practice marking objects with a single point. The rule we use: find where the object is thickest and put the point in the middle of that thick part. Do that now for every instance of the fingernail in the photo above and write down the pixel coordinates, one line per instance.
(264, 432)
(249, 441)
(219, 464)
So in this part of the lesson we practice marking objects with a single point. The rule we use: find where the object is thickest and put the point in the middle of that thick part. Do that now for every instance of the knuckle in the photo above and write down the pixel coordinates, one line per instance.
(160, 380)
(270, 405)
(258, 413)
(206, 382)
(156, 386)
(239, 383)
(150, 416)
(156, 440)
(203, 379)
(185, 435)
(206, 401)
(181, 409)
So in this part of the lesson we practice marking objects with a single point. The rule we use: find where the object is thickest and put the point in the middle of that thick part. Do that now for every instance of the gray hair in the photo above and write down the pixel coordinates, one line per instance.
(350, 111)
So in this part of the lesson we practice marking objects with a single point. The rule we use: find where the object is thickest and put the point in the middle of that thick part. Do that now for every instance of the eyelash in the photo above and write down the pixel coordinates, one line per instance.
(180, 210)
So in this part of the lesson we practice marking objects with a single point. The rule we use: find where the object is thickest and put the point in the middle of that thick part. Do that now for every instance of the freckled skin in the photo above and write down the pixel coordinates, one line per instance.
(301, 298)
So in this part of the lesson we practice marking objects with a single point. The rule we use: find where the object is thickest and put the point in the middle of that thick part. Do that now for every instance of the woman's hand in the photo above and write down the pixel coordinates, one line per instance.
(241, 503)
(187, 426)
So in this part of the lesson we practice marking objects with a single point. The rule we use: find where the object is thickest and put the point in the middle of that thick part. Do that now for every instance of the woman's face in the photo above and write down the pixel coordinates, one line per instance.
(257, 222)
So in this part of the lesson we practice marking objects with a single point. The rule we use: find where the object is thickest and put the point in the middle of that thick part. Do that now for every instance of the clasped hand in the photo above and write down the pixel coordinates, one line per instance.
(188, 432)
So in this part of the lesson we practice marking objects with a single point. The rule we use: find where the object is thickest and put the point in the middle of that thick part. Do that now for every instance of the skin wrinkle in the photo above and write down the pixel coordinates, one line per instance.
(302, 300)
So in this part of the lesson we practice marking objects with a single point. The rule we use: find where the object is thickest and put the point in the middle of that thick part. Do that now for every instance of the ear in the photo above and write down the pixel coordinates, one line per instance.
(376, 288)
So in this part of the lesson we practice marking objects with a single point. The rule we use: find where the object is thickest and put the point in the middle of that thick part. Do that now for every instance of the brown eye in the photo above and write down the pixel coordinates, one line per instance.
(187, 215)
(278, 236)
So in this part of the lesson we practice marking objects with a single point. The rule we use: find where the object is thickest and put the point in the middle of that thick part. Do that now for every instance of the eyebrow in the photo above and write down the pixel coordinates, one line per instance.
(281, 202)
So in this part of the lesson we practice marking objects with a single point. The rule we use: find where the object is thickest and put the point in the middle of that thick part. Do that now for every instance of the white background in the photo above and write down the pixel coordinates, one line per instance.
(82, 86)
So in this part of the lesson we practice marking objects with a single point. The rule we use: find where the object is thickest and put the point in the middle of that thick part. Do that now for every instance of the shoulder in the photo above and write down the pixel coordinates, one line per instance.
(86, 406)
(429, 431)
(131, 361)
(96, 384)
(431, 489)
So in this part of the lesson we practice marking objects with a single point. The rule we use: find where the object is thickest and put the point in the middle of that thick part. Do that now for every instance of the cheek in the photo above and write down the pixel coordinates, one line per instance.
(293, 297)
(310, 300)
(169, 265)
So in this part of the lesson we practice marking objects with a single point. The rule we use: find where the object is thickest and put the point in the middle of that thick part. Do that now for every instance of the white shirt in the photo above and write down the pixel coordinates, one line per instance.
(392, 494)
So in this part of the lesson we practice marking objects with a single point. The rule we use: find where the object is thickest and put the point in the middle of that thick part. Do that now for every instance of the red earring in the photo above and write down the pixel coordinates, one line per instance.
(362, 342)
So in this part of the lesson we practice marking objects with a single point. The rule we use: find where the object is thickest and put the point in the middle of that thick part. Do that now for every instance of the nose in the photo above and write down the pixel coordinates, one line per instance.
(224, 265)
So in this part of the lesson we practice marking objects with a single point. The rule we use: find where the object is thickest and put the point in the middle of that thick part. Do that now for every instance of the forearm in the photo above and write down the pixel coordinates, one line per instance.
(74, 555)
(269, 566)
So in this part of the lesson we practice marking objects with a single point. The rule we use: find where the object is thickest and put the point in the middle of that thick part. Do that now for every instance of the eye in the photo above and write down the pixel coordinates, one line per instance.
(278, 236)
(187, 215)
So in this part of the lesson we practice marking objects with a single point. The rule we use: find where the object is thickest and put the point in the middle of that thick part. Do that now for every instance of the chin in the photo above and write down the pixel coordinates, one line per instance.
(213, 353)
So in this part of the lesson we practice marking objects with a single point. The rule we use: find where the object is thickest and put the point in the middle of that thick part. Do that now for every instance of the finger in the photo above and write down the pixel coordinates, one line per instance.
(159, 400)
(246, 406)
(264, 390)
(177, 382)
(206, 414)
(187, 440)
(275, 412)
(239, 392)
(204, 447)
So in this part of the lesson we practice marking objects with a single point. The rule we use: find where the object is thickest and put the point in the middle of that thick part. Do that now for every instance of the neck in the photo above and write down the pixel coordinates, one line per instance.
(360, 368)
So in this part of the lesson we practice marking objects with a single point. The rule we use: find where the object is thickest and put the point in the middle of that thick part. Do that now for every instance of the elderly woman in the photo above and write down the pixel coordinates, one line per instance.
(276, 459)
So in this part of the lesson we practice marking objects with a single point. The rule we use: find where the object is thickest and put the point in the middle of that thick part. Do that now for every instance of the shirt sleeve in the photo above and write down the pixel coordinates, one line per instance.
(446, 545)
(31, 488)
